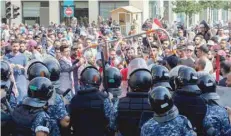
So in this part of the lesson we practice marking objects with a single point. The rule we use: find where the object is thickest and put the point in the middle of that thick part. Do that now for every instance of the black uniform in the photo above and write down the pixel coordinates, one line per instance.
(90, 108)
(187, 98)
(134, 110)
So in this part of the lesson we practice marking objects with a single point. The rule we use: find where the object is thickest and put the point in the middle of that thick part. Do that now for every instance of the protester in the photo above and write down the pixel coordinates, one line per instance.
(79, 45)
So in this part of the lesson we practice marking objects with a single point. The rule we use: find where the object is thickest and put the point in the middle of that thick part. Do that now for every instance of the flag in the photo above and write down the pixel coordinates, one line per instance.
(156, 24)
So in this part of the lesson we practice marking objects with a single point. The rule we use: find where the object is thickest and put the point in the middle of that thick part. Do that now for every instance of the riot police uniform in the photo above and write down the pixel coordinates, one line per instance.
(90, 108)
(57, 110)
(166, 120)
(113, 81)
(160, 75)
(187, 98)
(8, 99)
(216, 121)
(133, 110)
(30, 116)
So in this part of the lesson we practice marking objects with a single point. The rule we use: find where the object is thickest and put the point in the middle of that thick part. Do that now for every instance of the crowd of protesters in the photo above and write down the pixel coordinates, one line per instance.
(206, 49)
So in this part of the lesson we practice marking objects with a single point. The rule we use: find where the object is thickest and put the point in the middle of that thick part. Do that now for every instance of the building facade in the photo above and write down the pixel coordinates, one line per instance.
(46, 11)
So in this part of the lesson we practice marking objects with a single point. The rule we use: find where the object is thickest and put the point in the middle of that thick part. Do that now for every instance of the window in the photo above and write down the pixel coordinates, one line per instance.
(106, 7)
(31, 9)
(153, 9)
(44, 3)
(215, 15)
(31, 12)
(81, 10)
(225, 15)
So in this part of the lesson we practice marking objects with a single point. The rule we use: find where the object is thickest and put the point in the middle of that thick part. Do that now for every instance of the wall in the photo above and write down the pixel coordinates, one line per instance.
(143, 6)
(54, 11)
(93, 7)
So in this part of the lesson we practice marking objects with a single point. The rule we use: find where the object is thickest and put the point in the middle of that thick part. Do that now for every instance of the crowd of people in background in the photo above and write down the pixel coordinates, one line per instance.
(205, 48)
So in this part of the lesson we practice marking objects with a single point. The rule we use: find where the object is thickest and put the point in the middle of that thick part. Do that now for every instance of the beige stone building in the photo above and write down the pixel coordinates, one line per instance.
(46, 11)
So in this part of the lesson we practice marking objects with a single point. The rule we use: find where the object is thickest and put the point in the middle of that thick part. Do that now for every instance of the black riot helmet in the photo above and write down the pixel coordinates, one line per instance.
(160, 76)
(160, 100)
(90, 77)
(114, 77)
(40, 90)
(53, 67)
(37, 69)
(187, 80)
(140, 80)
(207, 84)
(5, 70)
(113, 82)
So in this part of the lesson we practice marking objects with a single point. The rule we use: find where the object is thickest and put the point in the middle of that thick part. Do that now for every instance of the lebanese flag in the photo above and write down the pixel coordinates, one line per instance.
(156, 24)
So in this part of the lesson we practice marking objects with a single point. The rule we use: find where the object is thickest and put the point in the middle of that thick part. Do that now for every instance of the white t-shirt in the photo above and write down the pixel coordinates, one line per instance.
(208, 67)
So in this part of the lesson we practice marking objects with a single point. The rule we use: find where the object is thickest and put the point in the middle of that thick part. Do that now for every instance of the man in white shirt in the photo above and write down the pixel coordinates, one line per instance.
(202, 52)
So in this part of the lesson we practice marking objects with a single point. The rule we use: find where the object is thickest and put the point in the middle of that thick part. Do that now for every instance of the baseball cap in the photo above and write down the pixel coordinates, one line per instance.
(191, 47)
(32, 43)
(210, 43)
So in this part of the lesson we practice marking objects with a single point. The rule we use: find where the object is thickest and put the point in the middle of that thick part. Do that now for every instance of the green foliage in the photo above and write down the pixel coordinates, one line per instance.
(188, 7)
(213, 4)
(227, 5)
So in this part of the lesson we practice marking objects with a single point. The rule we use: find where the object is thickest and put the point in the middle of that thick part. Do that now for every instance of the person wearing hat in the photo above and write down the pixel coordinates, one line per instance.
(32, 46)
(202, 52)
(210, 44)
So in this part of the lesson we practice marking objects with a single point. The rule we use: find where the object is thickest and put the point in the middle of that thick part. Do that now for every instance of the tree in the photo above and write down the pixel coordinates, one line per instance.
(189, 7)
(227, 5)
(214, 5)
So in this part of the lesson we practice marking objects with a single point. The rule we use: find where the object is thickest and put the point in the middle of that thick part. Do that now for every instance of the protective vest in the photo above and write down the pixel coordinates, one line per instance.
(23, 117)
(133, 112)
(193, 107)
(87, 113)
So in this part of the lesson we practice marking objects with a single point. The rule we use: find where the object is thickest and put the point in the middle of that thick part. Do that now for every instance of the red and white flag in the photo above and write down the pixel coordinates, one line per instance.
(156, 24)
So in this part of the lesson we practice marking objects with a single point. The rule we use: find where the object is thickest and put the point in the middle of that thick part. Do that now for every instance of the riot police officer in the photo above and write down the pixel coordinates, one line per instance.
(30, 117)
(133, 109)
(57, 111)
(113, 81)
(166, 120)
(216, 121)
(8, 99)
(160, 75)
(37, 69)
(90, 108)
(7, 84)
(187, 98)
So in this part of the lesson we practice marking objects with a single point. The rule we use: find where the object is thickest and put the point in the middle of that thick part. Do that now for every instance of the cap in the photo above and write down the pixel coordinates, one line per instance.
(221, 53)
(210, 43)
(32, 43)
(190, 47)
